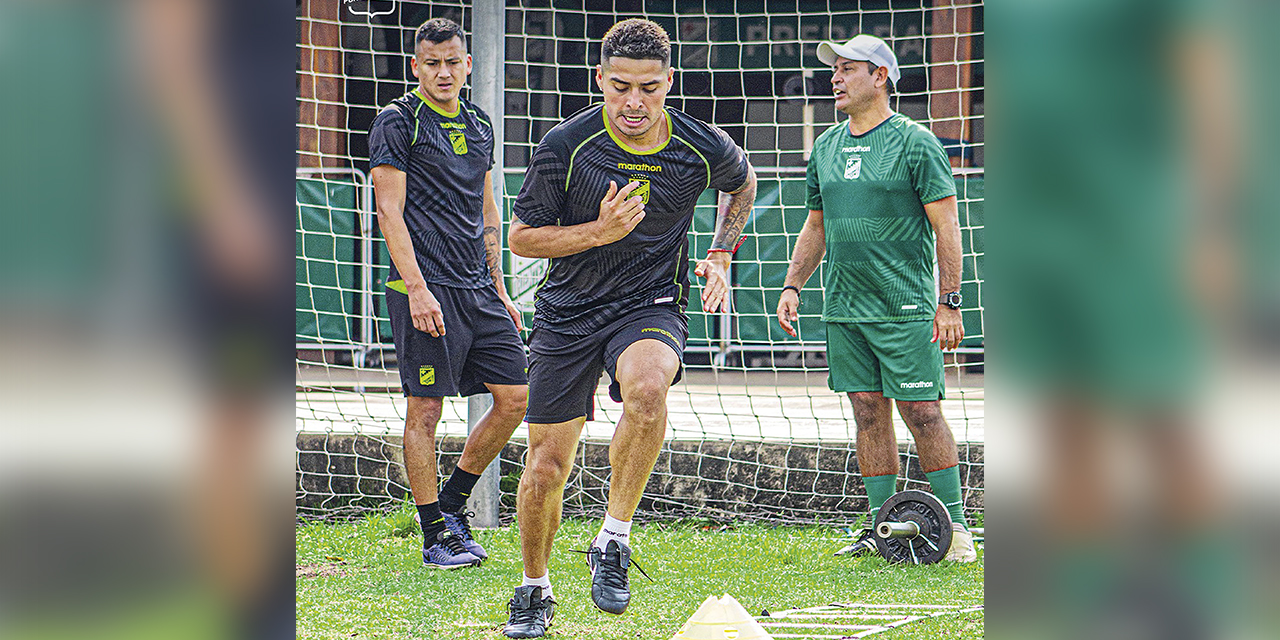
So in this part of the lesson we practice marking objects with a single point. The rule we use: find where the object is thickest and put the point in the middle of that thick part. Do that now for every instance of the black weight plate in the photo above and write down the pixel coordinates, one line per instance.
(926, 511)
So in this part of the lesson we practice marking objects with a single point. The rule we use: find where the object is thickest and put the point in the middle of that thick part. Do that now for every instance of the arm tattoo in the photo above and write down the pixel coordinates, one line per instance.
(734, 211)
(493, 251)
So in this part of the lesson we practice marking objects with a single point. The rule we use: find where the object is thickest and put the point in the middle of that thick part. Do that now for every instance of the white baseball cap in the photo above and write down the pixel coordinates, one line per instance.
(862, 47)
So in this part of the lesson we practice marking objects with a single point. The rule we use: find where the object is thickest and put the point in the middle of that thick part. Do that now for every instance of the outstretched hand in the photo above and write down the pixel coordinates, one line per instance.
(715, 293)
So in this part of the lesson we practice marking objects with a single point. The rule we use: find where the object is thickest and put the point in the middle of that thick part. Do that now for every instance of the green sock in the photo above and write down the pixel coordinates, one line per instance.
(879, 488)
(945, 484)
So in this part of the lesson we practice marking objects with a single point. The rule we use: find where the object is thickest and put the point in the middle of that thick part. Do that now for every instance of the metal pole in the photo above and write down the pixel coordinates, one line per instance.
(484, 496)
(487, 80)
(808, 115)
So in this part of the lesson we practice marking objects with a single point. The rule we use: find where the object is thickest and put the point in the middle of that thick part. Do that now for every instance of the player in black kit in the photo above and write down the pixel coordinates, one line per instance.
(431, 152)
(609, 197)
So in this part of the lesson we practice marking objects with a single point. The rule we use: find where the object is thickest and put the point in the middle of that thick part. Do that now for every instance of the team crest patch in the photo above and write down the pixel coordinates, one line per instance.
(426, 375)
(643, 189)
(459, 140)
(853, 168)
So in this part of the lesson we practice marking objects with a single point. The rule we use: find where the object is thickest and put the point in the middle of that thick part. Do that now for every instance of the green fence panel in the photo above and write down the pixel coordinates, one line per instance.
(760, 266)
(381, 271)
(971, 193)
(512, 182)
(704, 328)
(326, 274)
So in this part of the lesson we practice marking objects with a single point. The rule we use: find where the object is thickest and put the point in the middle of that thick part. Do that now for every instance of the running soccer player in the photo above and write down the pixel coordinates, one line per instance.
(880, 196)
(456, 331)
(609, 197)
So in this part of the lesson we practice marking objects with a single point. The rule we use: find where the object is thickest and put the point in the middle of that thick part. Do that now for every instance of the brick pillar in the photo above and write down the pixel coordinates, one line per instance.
(322, 114)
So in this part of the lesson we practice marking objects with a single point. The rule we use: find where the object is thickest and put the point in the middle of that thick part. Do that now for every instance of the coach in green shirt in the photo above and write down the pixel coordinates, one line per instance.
(880, 196)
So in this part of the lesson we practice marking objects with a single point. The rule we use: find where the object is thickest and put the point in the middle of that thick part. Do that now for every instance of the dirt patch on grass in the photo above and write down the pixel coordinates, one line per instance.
(320, 570)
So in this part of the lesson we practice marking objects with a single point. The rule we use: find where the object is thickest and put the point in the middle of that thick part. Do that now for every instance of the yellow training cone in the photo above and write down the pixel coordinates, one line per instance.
(722, 619)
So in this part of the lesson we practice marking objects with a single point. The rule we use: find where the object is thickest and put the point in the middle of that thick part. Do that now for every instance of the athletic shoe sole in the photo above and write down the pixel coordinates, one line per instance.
(449, 566)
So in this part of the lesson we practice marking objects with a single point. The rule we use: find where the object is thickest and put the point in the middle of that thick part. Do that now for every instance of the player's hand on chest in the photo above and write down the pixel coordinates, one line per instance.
(667, 190)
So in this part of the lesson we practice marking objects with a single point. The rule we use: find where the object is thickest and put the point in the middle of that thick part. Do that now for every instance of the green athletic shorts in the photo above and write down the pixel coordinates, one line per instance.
(895, 358)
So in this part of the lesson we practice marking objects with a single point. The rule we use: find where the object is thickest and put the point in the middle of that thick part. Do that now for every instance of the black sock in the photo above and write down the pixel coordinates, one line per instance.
(432, 521)
(453, 497)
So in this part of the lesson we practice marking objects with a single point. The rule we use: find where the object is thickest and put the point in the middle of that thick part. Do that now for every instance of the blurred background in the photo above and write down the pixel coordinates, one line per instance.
(146, 442)
(1134, 318)
(146, 154)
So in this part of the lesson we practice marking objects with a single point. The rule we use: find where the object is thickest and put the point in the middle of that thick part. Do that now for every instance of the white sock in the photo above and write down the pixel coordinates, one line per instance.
(613, 529)
(544, 582)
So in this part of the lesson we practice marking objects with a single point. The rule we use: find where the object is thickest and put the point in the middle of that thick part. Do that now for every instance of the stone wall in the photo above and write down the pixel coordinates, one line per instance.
(341, 475)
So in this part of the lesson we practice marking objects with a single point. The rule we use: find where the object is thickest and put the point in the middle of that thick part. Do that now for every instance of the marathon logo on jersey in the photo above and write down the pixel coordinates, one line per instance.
(853, 168)
(644, 166)
(923, 384)
(643, 189)
(856, 149)
(459, 140)
(426, 375)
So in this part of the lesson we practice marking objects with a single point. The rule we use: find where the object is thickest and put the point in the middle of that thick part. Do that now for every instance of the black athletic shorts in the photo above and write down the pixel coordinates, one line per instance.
(565, 369)
(480, 343)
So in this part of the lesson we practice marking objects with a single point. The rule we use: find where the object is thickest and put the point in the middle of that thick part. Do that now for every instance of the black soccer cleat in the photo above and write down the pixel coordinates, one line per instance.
(530, 613)
(865, 546)
(610, 590)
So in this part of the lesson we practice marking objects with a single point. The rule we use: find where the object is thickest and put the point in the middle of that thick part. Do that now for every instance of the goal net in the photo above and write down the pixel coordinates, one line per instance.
(753, 430)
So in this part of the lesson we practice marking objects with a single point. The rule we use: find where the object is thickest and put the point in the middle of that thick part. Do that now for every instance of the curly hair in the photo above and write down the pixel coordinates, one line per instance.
(439, 30)
(636, 39)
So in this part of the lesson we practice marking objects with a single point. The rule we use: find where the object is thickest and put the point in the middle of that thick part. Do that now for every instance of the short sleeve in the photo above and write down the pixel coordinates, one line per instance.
(542, 195)
(813, 188)
(389, 139)
(729, 166)
(930, 170)
(484, 119)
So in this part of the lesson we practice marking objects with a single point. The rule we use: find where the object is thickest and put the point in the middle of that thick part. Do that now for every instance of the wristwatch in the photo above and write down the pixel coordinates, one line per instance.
(952, 299)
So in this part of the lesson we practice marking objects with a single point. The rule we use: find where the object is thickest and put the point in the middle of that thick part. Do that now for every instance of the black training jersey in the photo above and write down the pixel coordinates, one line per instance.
(568, 177)
(446, 156)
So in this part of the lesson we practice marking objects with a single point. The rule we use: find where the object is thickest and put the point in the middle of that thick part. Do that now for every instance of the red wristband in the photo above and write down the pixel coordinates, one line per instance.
(741, 239)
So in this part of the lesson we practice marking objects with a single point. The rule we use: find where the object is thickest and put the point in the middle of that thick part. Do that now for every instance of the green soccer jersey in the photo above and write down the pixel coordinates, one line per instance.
(871, 190)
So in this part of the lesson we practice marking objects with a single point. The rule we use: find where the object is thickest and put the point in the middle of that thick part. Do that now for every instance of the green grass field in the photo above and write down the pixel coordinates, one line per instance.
(366, 580)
